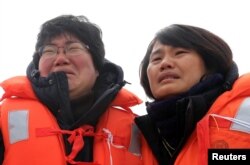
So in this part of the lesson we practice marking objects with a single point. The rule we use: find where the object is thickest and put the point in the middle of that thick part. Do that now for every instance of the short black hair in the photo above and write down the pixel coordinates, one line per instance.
(78, 26)
(214, 51)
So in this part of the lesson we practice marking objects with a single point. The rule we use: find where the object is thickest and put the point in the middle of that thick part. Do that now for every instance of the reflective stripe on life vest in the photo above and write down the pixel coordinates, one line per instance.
(135, 145)
(18, 125)
(242, 118)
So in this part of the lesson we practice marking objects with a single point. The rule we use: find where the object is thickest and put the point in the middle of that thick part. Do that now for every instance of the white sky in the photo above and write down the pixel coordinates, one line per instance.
(128, 26)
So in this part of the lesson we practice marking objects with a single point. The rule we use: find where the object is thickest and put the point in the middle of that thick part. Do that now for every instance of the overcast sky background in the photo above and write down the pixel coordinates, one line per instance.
(128, 26)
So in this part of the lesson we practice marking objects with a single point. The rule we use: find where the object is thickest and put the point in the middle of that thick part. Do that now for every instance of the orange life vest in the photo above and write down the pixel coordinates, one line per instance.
(222, 127)
(32, 136)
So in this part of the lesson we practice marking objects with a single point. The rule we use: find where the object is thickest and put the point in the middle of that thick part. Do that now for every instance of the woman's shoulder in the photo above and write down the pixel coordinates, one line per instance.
(242, 83)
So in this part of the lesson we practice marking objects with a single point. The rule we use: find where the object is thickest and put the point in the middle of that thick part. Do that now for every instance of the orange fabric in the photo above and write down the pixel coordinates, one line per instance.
(44, 146)
(34, 149)
(17, 86)
(131, 99)
(212, 132)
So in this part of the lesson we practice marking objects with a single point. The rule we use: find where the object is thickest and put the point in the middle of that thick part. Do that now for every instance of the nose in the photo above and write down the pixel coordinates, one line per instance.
(61, 58)
(166, 63)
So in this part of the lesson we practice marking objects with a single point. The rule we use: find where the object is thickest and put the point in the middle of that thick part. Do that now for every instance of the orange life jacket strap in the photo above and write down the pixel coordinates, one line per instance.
(76, 139)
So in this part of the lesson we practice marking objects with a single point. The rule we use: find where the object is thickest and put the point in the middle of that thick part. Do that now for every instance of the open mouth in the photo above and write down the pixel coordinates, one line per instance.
(167, 77)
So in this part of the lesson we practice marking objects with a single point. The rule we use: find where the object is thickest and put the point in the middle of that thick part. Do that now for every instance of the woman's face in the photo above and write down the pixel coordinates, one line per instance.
(73, 58)
(173, 70)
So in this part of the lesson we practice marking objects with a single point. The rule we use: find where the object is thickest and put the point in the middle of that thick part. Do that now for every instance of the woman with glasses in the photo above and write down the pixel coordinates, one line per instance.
(198, 101)
(72, 107)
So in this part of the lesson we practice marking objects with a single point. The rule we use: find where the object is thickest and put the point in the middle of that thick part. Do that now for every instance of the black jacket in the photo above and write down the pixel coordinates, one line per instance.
(169, 123)
(53, 92)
